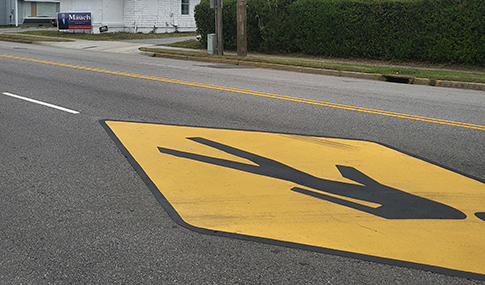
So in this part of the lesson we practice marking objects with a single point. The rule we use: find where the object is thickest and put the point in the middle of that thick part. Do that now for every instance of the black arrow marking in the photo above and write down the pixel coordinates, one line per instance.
(395, 204)
(480, 215)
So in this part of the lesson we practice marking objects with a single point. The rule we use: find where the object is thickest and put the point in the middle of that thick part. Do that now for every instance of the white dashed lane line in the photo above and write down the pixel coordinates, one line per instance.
(41, 103)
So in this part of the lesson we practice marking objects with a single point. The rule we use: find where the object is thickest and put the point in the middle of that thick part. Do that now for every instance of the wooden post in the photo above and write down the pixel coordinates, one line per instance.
(242, 39)
(220, 46)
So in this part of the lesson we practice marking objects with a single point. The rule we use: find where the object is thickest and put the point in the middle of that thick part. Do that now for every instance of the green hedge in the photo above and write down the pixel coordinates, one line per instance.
(267, 30)
(424, 30)
(205, 19)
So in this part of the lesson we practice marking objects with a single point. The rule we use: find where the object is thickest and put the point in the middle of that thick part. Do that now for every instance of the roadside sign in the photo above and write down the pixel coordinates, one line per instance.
(341, 196)
(74, 21)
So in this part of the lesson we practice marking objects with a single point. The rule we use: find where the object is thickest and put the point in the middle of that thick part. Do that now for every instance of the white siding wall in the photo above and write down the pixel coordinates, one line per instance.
(112, 15)
(103, 12)
(160, 16)
(6, 15)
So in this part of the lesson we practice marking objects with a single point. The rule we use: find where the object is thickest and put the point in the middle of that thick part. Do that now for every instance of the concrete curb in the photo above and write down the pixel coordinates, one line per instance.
(462, 85)
(422, 81)
(328, 72)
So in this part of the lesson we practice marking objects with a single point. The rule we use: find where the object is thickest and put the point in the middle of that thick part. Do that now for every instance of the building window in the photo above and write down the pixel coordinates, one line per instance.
(185, 7)
(40, 9)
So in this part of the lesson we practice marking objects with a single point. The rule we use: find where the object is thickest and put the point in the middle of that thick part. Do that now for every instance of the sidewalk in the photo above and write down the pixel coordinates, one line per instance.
(126, 47)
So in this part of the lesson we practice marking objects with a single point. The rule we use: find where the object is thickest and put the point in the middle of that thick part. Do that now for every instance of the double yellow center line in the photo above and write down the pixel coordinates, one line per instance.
(262, 94)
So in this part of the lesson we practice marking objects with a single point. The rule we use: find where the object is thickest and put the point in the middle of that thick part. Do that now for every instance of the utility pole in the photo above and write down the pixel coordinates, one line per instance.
(242, 39)
(220, 46)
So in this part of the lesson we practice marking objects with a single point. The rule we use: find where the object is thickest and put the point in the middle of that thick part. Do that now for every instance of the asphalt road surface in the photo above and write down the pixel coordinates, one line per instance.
(74, 210)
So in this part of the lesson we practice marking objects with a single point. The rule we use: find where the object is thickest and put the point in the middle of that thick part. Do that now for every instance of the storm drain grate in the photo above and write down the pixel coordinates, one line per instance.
(399, 78)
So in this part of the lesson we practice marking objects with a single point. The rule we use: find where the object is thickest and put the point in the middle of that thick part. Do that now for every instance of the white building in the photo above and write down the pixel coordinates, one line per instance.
(159, 16)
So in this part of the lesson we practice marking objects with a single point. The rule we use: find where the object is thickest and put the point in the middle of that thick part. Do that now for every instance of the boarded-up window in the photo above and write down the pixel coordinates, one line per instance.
(33, 9)
(41, 9)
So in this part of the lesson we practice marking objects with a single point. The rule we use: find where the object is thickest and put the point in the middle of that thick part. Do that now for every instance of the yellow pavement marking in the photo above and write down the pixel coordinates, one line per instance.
(263, 94)
(346, 195)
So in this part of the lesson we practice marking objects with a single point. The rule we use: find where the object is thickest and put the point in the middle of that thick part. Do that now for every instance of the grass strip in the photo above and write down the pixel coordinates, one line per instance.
(13, 37)
(432, 74)
(118, 36)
